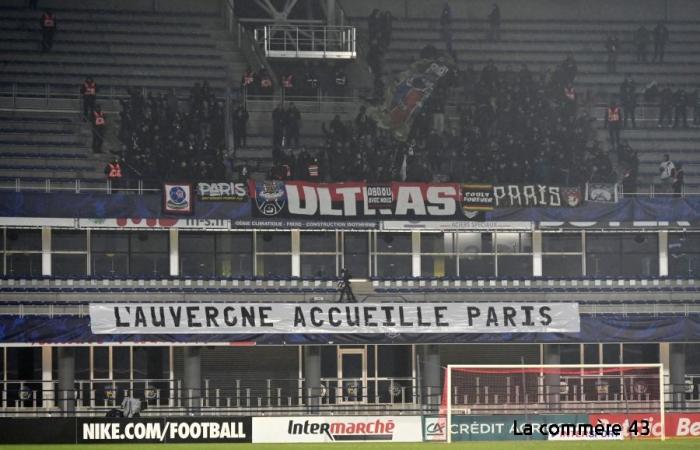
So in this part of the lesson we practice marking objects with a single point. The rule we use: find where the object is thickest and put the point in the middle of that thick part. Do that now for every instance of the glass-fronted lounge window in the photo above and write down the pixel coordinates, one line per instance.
(69, 253)
(216, 254)
(273, 255)
(622, 254)
(22, 252)
(134, 253)
(356, 253)
(684, 254)
(319, 253)
(393, 254)
(562, 254)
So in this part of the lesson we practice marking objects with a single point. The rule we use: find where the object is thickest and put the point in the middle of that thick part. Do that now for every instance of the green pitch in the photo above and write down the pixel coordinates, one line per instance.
(680, 444)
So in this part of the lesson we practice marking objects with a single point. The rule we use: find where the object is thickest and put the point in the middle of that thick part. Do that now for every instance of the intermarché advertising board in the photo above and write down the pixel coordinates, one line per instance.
(337, 429)
(499, 428)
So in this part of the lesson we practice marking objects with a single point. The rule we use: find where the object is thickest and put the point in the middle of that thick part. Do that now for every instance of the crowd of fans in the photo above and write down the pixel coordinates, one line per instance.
(163, 138)
(511, 127)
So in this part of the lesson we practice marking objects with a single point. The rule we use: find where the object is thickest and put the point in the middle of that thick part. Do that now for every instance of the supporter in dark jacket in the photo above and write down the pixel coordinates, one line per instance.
(660, 40)
(48, 26)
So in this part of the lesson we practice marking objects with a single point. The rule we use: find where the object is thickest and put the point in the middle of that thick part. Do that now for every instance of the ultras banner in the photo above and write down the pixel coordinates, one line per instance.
(367, 318)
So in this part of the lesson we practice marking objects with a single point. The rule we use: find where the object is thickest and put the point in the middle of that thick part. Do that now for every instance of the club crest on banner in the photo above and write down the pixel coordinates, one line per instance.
(571, 196)
(270, 197)
(177, 198)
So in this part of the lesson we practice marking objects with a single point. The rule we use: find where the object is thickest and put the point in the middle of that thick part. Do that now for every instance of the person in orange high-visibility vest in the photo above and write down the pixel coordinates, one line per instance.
(48, 29)
(89, 93)
(98, 127)
(613, 122)
(113, 170)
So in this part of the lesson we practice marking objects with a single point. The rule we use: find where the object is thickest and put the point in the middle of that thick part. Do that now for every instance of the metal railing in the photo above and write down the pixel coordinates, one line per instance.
(335, 396)
(307, 41)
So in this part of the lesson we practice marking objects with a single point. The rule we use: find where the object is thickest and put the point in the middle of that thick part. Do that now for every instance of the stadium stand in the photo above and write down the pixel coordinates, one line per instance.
(318, 279)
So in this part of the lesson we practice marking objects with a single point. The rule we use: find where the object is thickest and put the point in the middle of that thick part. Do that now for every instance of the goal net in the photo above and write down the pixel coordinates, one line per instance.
(627, 395)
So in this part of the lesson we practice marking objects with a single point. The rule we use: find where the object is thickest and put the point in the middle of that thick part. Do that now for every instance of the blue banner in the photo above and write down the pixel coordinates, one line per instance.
(600, 328)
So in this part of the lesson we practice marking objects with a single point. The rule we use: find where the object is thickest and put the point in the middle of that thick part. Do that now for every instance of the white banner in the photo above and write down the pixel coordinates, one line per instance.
(370, 318)
(454, 225)
(337, 429)
(157, 223)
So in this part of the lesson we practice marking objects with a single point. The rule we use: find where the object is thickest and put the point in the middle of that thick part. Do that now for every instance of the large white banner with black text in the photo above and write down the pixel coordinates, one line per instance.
(285, 318)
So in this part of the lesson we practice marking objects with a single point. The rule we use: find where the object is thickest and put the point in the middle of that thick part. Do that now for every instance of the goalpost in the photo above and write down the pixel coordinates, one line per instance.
(629, 394)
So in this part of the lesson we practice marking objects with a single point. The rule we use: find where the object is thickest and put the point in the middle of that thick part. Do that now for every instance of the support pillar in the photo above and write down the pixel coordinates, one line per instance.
(66, 380)
(677, 376)
(431, 382)
(312, 377)
(192, 385)
(552, 381)
(47, 391)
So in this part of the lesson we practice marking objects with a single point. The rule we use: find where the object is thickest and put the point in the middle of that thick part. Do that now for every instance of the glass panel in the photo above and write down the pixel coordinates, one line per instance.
(611, 353)
(684, 254)
(475, 242)
(394, 266)
(437, 243)
(329, 361)
(569, 354)
(515, 266)
(109, 241)
(318, 266)
(356, 257)
(591, 354)
(562, 265)
(394, 243)
(274, 265)
(66, 265)
(109, 264)
(241, 243)
(68, 240)
(21, 239)
(121, 363)
(100, 362)
(438, 266)
(149, 241)
(149, 265)
(317, 242)
(561, 242)
(395, 361)
(234, 264)
(352, 375)
(24, 264)
(477, 266)
(197, 242)
(274, 242)
(82, 363)
(622, 254)
(514, 242)
(640, 353)
(197, 264)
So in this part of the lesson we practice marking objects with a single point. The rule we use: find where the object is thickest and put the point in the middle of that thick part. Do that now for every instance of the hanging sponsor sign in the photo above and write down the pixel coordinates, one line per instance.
(339, 201)
(337, 429)
(221, 191)
(454, 225)
(177, 198)
(601, 192)
(156, 223)
(34, 222)
(288, 318)
(536, 195)
(308, 224)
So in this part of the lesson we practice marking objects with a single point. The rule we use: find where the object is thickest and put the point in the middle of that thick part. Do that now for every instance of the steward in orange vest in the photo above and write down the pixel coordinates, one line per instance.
(613, 122)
